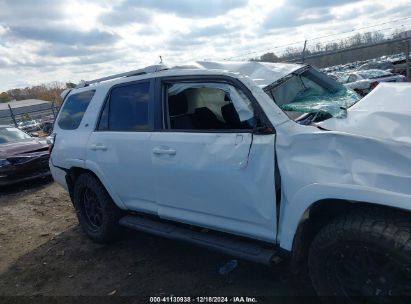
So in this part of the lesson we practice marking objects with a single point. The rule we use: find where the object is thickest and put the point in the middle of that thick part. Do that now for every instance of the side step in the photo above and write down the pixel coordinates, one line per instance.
(228, 245)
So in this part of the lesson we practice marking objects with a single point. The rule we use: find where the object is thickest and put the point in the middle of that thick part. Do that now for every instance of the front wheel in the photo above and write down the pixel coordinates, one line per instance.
(363, 257)
(96, 212)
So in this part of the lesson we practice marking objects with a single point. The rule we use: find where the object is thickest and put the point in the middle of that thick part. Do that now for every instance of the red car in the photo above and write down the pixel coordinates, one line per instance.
(22, 157)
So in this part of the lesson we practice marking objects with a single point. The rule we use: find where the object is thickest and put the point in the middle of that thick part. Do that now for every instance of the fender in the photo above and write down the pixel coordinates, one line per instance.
(292, 212)
(92, 166)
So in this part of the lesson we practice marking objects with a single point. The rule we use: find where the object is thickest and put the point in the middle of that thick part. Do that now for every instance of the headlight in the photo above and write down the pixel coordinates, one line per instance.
(4, 162)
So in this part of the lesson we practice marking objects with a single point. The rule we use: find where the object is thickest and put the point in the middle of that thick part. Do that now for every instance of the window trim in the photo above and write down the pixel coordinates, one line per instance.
(237, 84)
(151, 105)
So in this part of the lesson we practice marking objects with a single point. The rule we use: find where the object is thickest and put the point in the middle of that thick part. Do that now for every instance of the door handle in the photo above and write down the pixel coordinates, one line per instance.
(162, 151)
(98, 147)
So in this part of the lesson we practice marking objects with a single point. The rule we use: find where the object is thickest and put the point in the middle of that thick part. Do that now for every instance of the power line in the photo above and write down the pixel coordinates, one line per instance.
(386, 29)
(269, 49)
(361, 28)
(316, 38)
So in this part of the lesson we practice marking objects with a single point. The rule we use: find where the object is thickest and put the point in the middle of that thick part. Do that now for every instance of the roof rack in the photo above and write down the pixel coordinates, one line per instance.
(146, 70)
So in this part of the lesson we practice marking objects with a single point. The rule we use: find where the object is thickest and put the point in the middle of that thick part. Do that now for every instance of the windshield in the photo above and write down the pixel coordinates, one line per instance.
(314, 93)
(10, 134)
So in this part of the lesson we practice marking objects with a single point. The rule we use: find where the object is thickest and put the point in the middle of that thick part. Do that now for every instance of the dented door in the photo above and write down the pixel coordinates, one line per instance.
(223, 181)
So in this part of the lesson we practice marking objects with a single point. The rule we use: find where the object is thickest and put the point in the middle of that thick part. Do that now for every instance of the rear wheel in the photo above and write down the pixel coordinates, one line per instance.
(96, 212)
(364, 257)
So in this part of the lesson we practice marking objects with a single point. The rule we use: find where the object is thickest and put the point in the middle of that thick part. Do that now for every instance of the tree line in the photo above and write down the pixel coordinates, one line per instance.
(49, 92)
(368, 38)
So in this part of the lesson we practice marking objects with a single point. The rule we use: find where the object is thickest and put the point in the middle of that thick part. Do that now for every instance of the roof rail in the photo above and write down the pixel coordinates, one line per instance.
(146, 70)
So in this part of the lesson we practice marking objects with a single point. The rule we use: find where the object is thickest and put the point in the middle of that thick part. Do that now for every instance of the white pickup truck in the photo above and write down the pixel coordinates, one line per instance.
(261, 161)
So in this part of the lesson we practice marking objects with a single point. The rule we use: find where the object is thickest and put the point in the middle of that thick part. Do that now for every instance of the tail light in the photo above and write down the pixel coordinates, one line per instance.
(50, 141)
(373, 84)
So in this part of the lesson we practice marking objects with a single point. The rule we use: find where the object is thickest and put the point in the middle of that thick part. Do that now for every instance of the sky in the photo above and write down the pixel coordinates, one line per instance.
(52, 40)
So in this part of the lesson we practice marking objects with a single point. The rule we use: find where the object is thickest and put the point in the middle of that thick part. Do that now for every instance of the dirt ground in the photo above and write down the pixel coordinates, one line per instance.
(43, 252)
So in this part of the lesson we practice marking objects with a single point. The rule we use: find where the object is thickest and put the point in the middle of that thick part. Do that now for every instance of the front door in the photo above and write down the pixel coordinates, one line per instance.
(211, 169)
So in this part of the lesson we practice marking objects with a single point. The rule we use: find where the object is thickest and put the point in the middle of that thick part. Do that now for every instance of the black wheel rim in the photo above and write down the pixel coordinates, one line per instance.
(369, 272)
(92, 209)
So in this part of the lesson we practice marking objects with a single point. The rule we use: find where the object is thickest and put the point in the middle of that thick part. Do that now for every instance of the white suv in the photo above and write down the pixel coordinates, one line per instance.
(274, 160)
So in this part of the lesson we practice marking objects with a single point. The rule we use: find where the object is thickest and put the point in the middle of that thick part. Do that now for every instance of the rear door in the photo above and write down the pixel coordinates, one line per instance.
(119, 148)
(211, 169)
(72, 129)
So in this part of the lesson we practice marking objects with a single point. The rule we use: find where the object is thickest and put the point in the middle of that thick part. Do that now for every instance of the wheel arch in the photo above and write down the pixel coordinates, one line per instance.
(75, 172)
(319, 214)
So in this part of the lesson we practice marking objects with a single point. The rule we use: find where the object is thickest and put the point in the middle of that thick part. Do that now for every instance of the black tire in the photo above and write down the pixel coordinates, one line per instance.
(97, 214)
(363, 257)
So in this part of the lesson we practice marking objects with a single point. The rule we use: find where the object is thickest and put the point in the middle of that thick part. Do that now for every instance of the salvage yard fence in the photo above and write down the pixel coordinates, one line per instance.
(404, 43)
(45, 112)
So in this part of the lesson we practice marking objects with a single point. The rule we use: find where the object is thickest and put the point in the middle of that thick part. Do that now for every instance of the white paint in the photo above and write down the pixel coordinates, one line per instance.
(384, 113)
(209, 181)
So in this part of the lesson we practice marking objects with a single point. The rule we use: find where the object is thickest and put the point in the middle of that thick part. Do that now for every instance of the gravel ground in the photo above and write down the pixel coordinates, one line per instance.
(43, 252)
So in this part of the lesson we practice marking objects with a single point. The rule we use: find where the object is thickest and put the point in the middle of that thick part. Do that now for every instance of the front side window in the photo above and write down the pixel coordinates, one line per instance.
(73, 110)
(127, 108)
(208, 106)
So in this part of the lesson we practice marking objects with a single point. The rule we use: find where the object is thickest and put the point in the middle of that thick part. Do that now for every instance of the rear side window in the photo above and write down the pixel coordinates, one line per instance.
(73, 110)
(127, 109)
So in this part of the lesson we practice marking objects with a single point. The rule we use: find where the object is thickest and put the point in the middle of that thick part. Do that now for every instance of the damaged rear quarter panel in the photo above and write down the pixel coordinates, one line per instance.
(317, 165)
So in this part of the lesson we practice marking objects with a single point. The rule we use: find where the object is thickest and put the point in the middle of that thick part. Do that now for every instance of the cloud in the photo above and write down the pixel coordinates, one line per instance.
(209, 31)
(300, 12)
(122, 16)
(291, 16)
(98, 58)
(15, 12)
(200, 35)
(397, 11)
(62, 51)
(369, 9)
(65, 36)
(319, 3)
(188, 8)
(141, 11)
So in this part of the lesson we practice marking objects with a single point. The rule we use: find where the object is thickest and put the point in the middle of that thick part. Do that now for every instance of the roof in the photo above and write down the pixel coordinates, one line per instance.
(262, 73)
(22, 103)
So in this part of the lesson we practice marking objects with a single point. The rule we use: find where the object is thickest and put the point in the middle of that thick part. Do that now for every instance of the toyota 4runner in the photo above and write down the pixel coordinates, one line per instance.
(261, 161)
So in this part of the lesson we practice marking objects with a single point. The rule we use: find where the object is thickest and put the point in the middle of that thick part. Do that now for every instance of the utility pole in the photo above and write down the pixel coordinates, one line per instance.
(12, 116)
(53, 109)
(305, 46)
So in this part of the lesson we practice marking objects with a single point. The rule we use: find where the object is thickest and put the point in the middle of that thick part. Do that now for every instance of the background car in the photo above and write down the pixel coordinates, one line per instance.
(22, 157)
(377, 65)
(364, 81)
(29, 125)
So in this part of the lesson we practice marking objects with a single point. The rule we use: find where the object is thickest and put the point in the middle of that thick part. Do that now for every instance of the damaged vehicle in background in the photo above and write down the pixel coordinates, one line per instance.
(22, 157)
(377, 65)
(29, 126)
(273, 160)
(364, 81)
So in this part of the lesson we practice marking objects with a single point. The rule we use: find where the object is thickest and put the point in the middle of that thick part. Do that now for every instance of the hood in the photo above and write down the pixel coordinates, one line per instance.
(22, 147)
(384, 113)
(262, 73)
